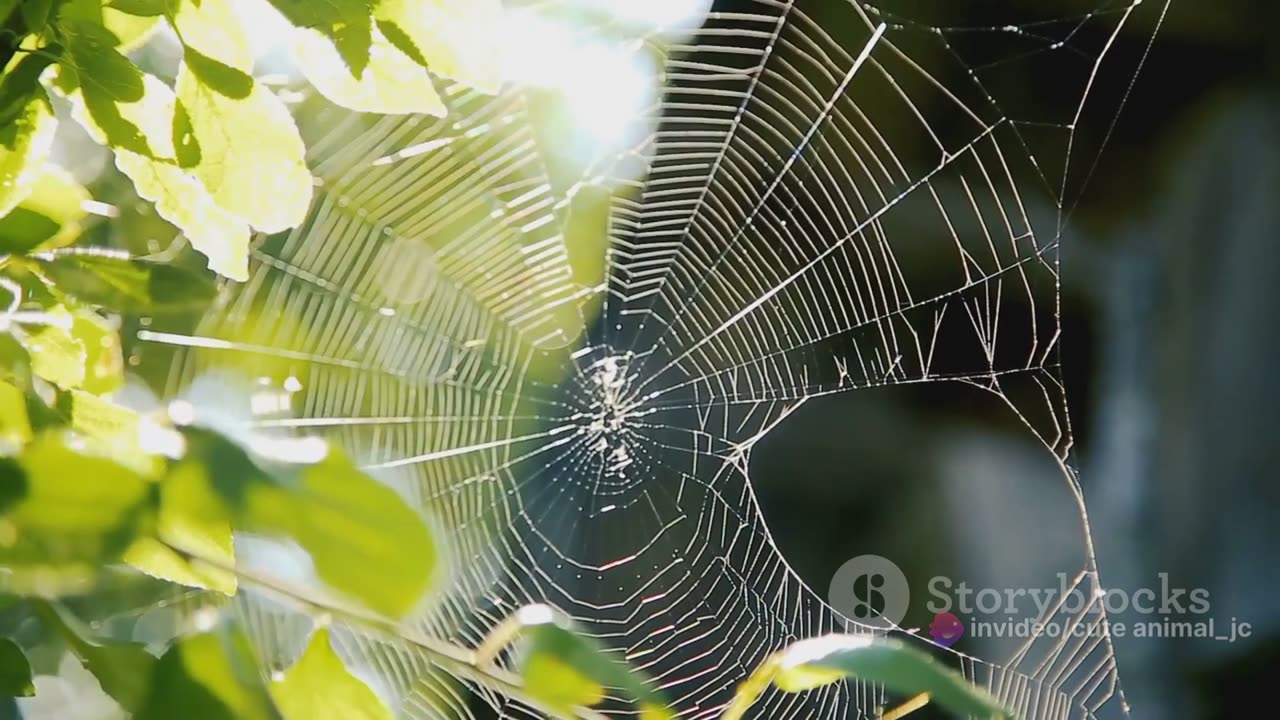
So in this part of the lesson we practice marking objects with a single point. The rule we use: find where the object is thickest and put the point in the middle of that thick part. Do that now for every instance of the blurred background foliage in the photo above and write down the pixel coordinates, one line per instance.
(1169, 299)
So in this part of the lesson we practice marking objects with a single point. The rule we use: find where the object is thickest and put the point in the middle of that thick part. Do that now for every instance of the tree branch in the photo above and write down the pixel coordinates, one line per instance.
(456, 660)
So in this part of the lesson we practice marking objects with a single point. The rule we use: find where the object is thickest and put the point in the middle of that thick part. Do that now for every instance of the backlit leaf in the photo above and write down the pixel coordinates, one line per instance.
(104, 361)
(179, 197)
(124, 108)
(345, 22)
(452, 38)
(183, 200)
(558, 684)
(23, 80)
(48, 217)
(564, 669)
(251, 157)
(128, 285)
(15, 361)
(75, 350)
(210, 676)
(193, 519)
(391, 83)
(356, 530)
(65, 515)
(320, 686)
(57, 355)
(15, 425)
(25, 143)
(898, 667)
(123, 669)
(214, 30)
(108, 430)
(132, 22)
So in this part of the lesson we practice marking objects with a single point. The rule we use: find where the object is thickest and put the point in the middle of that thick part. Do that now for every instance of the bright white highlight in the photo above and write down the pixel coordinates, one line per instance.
(649, 14)
(606, 84)
(804, 652)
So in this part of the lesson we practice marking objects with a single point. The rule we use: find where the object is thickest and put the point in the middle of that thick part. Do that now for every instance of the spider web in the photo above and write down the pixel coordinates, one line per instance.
(568, 370)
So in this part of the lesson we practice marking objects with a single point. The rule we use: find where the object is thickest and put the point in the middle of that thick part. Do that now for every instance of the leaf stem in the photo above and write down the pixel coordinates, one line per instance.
(458, 661)
(907, 707)
(753, 687)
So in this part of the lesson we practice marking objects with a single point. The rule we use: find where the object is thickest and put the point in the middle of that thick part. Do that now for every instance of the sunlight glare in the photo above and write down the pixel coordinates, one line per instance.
(605, 84)
(650, 14)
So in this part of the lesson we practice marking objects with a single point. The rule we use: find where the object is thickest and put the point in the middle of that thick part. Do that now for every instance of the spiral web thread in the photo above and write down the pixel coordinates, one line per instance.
(582, 437)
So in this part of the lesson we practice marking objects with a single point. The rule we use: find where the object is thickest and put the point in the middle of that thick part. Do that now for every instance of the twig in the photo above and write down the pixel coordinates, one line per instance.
(907, 707)
(458, 661)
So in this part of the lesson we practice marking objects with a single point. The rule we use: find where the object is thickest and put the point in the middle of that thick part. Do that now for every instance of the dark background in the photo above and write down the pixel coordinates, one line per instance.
(1170, 268)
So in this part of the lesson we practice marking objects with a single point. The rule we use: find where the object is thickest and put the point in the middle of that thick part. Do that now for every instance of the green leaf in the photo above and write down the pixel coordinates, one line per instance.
(252, 159)
(183, 200)
(180, 198)
(15, 425)
(250, 155)
(65, 515)
(451, 38)
(821, 661)
(104, 360)
(7, 7)
(21, 83)
(123, 669)
(391, 83)
(564, 669)
(143, 8)
(193, 520)
(48, 217)
(116, 94)
(130, 21)
(35, 13)
(560, 685)
(345, 22)
(57, 355)
(15, 361)
(320, 686)
(108, 430)
(25, 143)
(364, 540)
(214, 30)
(128, 285)
(15, 671)
(75, 350)
(210, 676)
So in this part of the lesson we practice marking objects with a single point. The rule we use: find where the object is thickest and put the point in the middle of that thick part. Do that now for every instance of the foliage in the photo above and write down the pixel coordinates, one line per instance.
(319, 684)
(218, 153)
(92, 490)
(812, 663)
(15, 671)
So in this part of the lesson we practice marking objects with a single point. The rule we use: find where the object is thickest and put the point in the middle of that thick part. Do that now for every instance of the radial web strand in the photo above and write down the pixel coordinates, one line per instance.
(568, 369)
